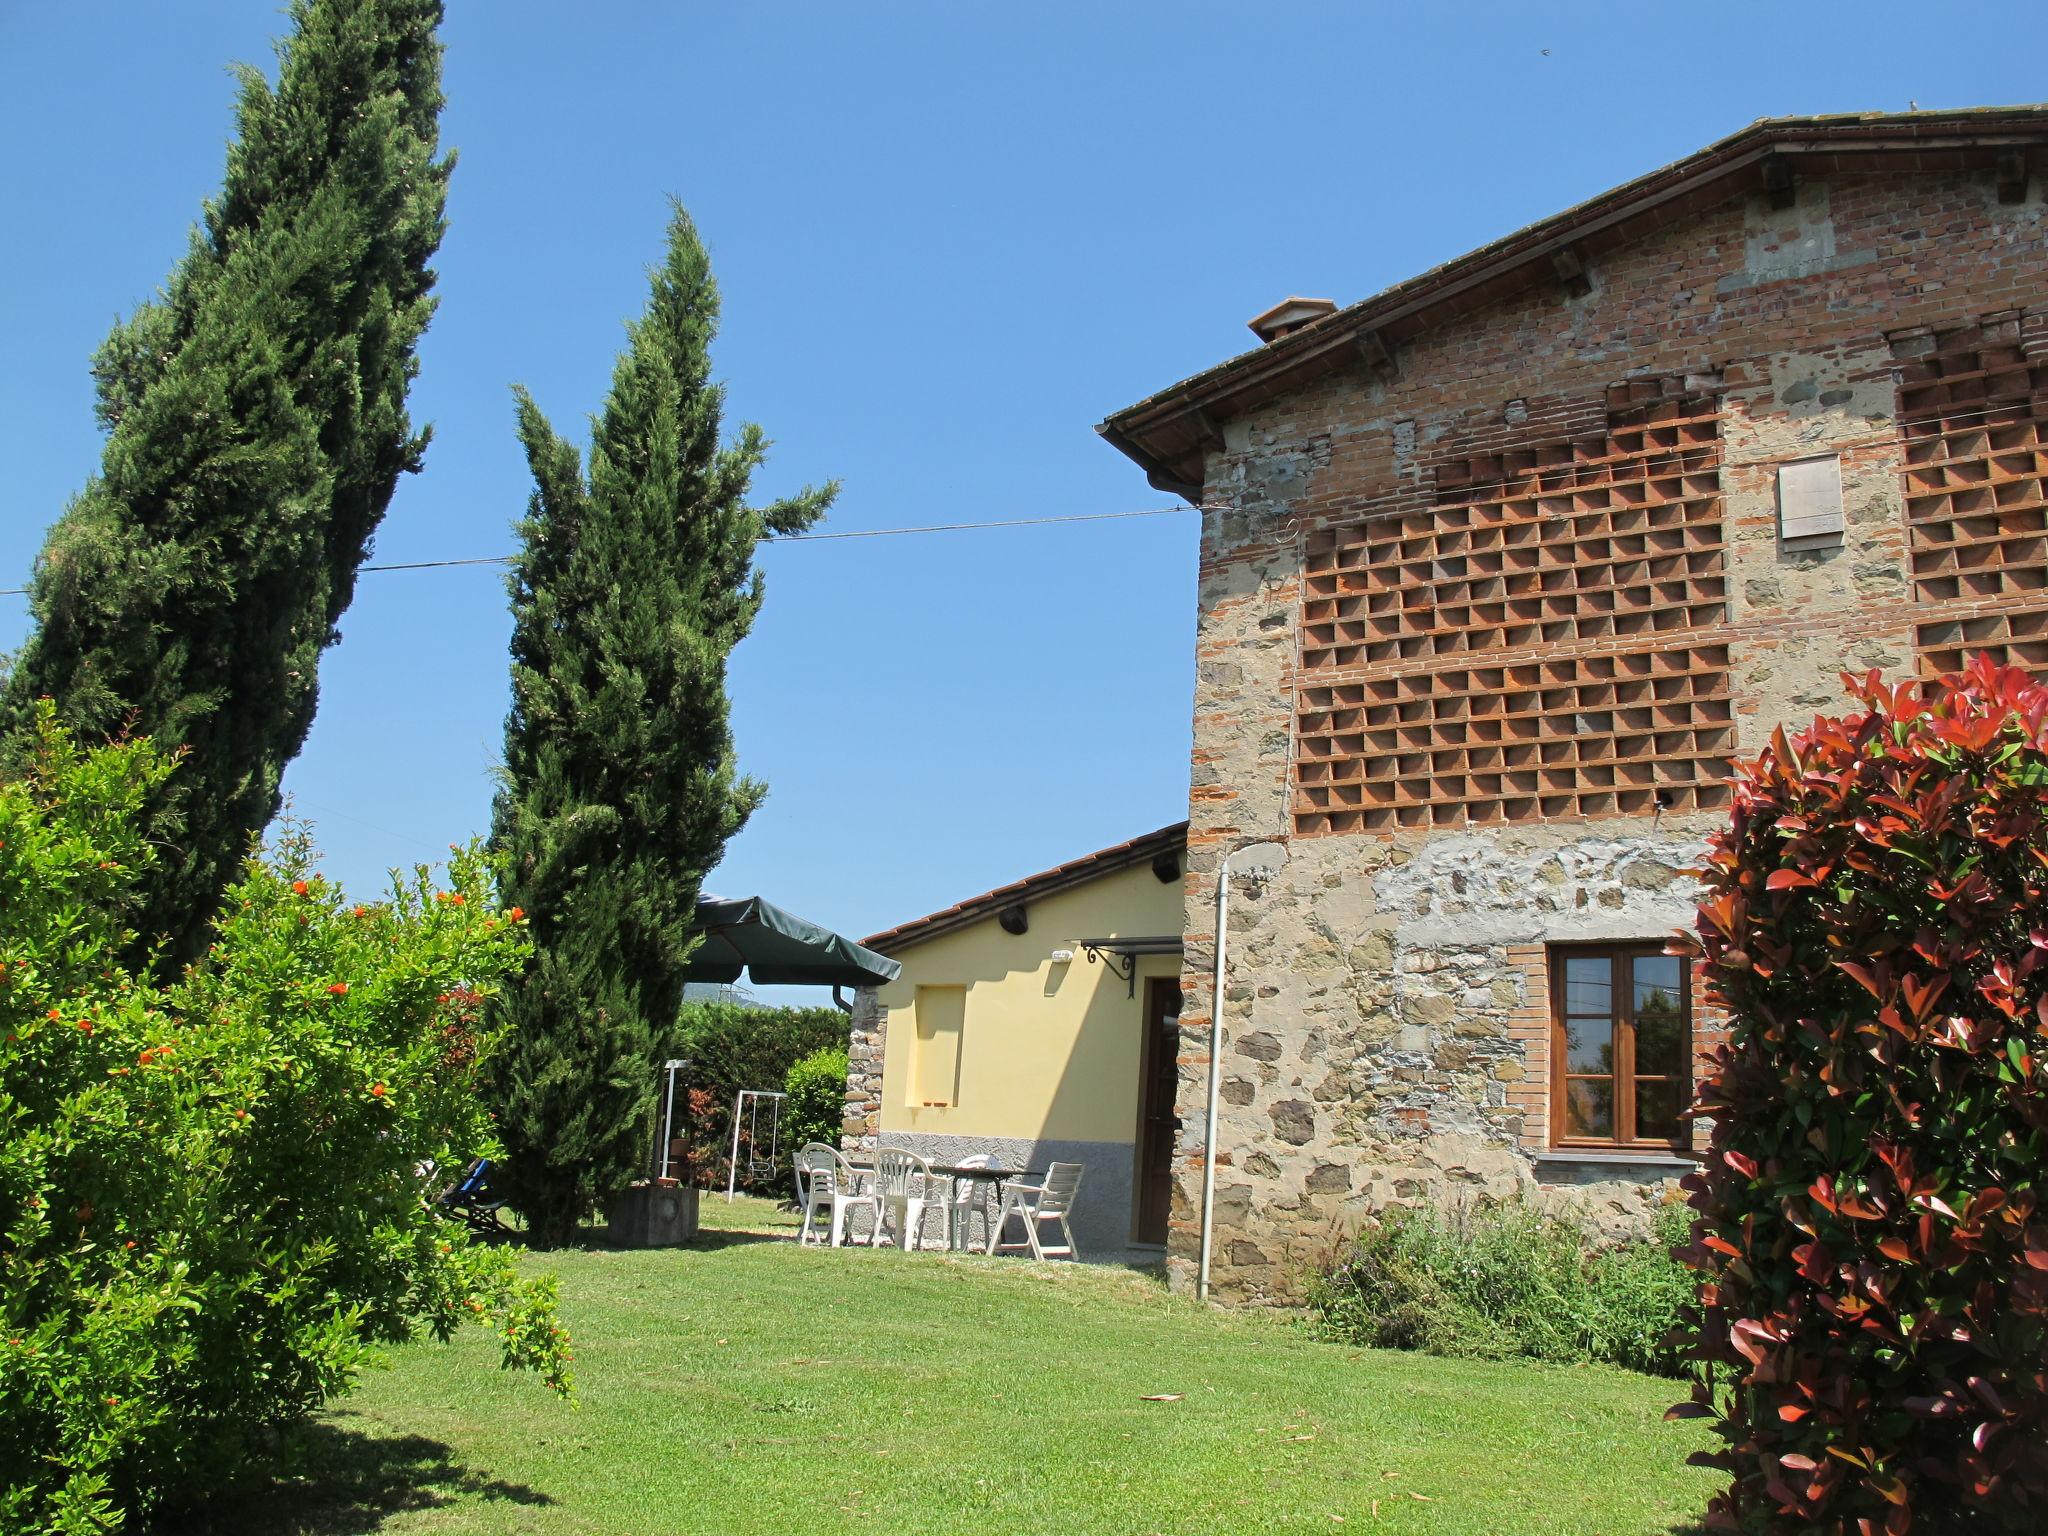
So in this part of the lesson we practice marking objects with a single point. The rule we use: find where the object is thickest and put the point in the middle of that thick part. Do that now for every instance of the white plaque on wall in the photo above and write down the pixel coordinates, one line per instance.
(1810, 500)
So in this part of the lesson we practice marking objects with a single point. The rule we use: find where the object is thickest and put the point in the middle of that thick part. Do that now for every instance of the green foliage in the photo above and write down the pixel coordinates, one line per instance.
(1500, 1281)
(633, 583)
(816, 1107)
(214, 1194)
(1874, 1337)
(256, 428)
(729, 1048)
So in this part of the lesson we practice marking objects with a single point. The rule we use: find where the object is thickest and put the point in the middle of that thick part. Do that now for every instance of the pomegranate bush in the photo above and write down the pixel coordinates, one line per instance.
(1874, 1332)
(214, 1196)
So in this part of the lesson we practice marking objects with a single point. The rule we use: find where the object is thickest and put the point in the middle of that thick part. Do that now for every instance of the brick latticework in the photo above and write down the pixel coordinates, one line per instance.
(1492, 594)
(1560, 574)
(1973, 405)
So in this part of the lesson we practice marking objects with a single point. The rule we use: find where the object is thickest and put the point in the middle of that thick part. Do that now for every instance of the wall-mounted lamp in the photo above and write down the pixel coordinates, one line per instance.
(1062, 956)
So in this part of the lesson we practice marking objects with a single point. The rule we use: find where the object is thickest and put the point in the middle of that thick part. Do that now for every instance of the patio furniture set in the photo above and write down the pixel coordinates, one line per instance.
(900, 1192)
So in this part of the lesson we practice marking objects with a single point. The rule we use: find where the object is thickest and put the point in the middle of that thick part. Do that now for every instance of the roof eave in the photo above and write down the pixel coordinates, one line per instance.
(1089, 866)
(1167, 433)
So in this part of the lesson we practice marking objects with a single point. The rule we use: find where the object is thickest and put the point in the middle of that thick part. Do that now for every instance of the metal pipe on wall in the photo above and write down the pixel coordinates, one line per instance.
(1215, 1077)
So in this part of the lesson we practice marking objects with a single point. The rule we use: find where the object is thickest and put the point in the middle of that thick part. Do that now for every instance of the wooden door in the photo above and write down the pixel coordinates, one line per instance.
(1158, 1125)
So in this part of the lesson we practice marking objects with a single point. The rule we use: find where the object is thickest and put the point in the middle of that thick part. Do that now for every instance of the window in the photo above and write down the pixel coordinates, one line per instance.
(935, 1065)
(1621, 1050)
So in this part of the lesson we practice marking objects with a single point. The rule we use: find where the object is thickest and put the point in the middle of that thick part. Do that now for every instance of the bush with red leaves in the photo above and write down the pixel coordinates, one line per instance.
(1874, 1325)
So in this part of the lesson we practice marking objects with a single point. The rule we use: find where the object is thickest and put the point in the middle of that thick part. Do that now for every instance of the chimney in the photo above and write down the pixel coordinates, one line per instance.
(1289, 316)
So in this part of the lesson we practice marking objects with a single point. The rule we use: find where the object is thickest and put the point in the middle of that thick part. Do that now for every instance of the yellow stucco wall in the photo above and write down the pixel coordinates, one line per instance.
(1045, 1050)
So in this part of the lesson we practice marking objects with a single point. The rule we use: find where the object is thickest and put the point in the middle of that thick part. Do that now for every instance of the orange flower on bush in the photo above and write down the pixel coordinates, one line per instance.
(299, 887)
(339, 988)
(378, 1090)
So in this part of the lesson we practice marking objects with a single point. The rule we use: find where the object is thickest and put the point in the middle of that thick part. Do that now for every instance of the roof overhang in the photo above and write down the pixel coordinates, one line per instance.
(1154, 847)
(1169, 434)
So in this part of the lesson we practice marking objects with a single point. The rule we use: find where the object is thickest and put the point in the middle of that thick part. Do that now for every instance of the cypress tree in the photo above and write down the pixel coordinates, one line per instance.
(633, 583)
(256, 428)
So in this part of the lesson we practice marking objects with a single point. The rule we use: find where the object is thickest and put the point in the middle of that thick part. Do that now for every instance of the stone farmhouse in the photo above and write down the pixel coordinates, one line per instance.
(1500, 570)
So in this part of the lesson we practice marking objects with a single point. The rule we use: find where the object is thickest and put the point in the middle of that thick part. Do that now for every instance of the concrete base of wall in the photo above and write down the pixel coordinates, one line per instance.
(1103, 1210)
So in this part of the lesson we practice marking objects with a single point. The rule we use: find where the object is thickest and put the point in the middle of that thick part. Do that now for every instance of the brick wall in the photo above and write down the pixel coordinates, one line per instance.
(1386, 1021)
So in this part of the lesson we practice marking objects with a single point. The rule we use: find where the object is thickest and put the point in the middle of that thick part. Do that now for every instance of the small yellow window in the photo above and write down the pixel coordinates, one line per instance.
(935, 1066)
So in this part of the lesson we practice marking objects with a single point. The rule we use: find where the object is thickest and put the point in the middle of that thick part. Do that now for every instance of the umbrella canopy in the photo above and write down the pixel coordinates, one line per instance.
(778, 948)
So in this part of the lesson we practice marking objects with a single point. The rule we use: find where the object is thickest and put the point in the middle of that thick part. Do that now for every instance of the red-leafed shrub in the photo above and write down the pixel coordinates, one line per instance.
(1874, 1330)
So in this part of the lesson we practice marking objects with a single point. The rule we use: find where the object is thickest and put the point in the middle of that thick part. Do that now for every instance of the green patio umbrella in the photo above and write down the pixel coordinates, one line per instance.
(777, 948)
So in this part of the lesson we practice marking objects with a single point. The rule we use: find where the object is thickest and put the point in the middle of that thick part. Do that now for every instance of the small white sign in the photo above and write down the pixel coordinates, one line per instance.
(1810, 500)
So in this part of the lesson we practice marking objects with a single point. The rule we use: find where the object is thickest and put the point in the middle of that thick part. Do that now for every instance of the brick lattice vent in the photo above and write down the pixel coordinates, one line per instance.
(1578, 586)
(1974, 415)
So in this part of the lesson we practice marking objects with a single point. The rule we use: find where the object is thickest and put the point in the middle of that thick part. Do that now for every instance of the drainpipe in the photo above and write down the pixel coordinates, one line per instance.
(1273, 852)
(1215, 1076)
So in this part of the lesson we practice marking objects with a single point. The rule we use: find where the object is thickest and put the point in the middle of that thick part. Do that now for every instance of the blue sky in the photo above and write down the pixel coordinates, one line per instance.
(951, 238)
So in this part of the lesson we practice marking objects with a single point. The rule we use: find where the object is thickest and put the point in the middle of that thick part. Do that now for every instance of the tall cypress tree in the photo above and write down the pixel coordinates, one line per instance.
(256, 428)
(633, 584)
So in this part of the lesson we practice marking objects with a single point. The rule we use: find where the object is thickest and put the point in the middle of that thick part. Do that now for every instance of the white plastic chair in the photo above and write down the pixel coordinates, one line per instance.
(903, 1193)
(1036, 1203)
(966, 1195)
(825, 1181)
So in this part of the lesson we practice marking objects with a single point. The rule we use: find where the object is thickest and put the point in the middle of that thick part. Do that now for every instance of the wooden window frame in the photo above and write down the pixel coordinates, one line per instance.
(1622, 1017)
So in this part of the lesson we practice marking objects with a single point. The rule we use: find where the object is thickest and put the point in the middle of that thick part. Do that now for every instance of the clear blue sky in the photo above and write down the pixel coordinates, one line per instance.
(951, 238)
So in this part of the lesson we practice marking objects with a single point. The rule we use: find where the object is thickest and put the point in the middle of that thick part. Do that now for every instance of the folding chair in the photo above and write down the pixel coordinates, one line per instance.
(471, 1201)
(1036, 1203)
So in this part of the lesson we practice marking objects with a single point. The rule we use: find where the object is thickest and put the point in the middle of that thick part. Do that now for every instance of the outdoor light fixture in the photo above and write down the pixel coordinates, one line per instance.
(1062, 956)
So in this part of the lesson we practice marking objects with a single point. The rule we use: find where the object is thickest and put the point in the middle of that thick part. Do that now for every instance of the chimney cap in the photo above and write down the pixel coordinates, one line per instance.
(1290, 314)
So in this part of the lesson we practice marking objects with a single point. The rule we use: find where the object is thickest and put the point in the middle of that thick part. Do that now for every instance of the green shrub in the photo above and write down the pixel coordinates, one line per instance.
(1503, 1280)
(730, 1047)
(1874, 1214)
(212, 1203)
(816, 1108)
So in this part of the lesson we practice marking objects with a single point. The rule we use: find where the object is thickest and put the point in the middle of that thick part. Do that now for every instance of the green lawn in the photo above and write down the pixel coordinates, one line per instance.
(748, 1386)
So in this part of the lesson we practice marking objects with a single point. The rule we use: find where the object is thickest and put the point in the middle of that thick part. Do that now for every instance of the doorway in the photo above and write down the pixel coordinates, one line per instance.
(1158, 1125)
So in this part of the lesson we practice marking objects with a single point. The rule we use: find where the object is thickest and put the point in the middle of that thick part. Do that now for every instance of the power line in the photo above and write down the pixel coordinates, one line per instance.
(798, 538)
(2010, 413)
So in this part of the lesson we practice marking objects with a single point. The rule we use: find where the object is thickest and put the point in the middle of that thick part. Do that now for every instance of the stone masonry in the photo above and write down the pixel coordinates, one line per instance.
(1386, 1019)
(867, 1033)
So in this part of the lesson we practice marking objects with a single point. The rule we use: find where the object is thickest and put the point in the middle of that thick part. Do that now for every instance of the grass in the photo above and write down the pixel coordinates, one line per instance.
(748, 1386)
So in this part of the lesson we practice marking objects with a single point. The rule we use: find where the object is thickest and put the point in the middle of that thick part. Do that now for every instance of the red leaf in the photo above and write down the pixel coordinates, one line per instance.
(1789, 880)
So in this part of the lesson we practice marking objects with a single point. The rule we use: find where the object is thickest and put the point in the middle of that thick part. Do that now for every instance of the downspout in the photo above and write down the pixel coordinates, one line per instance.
(1215, 1076)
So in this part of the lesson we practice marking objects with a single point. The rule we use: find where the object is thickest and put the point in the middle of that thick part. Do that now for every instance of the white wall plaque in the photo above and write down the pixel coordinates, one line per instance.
(1810, 501)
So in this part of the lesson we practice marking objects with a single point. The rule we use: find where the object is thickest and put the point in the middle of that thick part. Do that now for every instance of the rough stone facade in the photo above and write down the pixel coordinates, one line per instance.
(1386, 1024)
(867, 1034)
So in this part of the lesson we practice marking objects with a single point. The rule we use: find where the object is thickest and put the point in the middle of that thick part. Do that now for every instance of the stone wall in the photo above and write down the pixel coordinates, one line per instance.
(867, 1030)
(1386, 1016)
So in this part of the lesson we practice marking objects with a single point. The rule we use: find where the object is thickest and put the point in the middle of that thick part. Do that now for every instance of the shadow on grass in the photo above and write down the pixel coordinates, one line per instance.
(707, 1238)
(349, 1483)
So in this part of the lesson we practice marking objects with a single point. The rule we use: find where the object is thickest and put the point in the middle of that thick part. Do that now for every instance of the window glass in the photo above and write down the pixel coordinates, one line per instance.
(1589, 1106)
(1589, 985)
(1657, 1109)
(1589, 1045)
